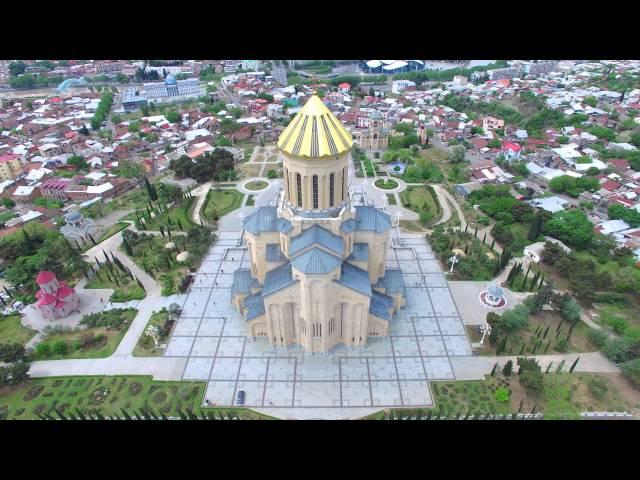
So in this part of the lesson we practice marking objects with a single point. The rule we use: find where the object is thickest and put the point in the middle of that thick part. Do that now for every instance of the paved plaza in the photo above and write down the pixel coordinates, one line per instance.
(390, 372)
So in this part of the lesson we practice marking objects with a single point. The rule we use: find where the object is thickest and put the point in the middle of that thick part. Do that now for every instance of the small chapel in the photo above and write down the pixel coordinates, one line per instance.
(317, 276)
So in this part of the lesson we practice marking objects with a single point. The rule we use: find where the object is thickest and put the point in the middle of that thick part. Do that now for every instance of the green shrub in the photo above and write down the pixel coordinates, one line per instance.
(59, 347)
(598, 387)
(43, 349)
(631, 370)
(502, 395)
(597, 337)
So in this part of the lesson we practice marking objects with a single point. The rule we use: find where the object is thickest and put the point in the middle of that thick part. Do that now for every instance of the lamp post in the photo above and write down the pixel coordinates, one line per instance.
(486, 330)
(453, 260)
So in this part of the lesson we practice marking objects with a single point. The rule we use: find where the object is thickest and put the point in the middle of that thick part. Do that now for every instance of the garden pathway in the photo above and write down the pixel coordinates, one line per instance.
(476, 367)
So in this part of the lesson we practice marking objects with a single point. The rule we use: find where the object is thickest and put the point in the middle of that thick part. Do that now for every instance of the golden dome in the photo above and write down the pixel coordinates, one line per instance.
(315, 132)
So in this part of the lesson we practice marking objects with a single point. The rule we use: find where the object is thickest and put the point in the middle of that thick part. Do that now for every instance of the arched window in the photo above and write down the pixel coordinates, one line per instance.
(299, 188)
(344, 183)
(331, 177)
(287, 187)
(315, 191)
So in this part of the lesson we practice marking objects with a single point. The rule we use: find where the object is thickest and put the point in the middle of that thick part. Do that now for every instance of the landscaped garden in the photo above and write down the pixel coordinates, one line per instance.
(423, 201)
(220, 202)
(256, 185)
(386, 183)
(476, 258)
(98, 336)
(151, 342)
(123, 396)
(125, 286)
(12, 330)
(168, 257)
(112, 230)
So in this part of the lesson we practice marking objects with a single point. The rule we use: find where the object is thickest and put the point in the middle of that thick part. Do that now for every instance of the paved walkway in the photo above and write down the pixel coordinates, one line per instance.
(475, 368)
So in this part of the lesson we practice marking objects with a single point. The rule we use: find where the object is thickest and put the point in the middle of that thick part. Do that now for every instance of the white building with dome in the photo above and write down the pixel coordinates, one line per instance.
(317, 275)
(77, 227)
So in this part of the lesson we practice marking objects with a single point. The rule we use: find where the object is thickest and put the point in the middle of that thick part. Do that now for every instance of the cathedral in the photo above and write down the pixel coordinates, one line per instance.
(317, 275)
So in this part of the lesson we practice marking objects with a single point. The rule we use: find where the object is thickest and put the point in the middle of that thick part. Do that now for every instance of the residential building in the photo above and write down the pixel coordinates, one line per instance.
(10, 166)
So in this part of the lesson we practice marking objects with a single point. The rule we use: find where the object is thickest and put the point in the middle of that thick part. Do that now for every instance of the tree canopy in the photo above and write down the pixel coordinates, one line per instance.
(570, 226)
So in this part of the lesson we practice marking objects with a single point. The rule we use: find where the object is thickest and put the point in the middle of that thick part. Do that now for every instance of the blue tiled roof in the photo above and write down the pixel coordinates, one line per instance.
(372, 220)
(283, 225)
(380, 305)
(254, 305)
(360, 252)
(394, 281)
(241, 281)
(348, 226)
(277, 279)
(316, 261)
(355, 278)
(273, 253)
(316, 234)
(262, 220)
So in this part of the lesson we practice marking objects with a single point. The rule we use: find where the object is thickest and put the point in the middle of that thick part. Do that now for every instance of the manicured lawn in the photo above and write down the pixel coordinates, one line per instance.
(146, 346)
(564, 396)
(115, 228)
(256, 185)
(558, 330)
(391, 198)
(220, 202)
(12, 330)
(179, 214)
(109, 396)
(386, 183)
(410, 226)
(422, 201)
(251, 201)
(93, 342)
(247, 154)
(126, 289)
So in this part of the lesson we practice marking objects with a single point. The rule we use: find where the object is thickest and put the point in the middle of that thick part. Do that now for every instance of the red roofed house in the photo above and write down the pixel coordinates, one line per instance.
(511, 150)
(610, 185)
(344, 87)
(55, 299)
(620, 164)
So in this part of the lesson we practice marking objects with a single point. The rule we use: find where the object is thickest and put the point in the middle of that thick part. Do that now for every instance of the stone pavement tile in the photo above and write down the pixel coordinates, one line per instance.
(413, 280)
(253, 393)
(405, 347)
(317, 394)
(281, 369)
(356, 394)
(318, 368)
(409, 266)
(418, 302)
(196, 302)
(205, 346)
(415, 393)
(279, 394)
(435, 280)
(353, 369)
(457, 345)
(410, 368)
(234, 326)
(225, 280)
(391, 263)
(179, 347)
(219, 305)
(186, 327)
(386, 394)
(230, 346)
(225, 369)
(451, 326)
(426, 255)
(405, 254)
(438, 368)
(253, 369)
(203, 280)
(198, 369)
(382, 369)
(235, 253)
(432, 346)
(443, 302)
(400, 326)
(220, 393)
(378, 347)
(426, 325)
(430, 266)
(210, 327)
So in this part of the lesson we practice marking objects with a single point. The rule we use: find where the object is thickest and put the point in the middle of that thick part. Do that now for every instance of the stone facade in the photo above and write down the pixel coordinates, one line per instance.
(317, 275)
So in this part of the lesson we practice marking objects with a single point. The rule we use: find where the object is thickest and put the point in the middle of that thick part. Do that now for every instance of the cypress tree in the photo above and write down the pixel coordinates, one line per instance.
(520, 406)
(161, 230)
(59, 413)
(484, 238)
(125, 414)
(493, 370)
(547, 347)
(179, 224)
(81, 415)
(546, 331)
(559, 369)
(549, 367)
(535, 227)
(574, 365)
(93, 240)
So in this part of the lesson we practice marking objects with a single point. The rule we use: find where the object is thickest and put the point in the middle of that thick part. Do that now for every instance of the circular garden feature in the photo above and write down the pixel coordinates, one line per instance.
(256, 185)
(386, 183)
